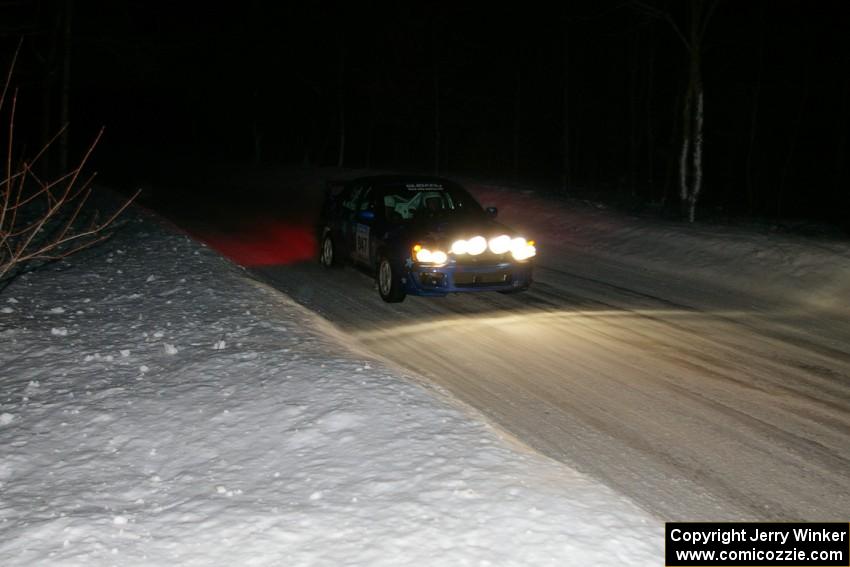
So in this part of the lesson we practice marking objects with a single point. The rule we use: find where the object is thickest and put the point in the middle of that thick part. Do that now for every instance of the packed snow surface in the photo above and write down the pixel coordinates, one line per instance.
(158, 407)
(700, 369)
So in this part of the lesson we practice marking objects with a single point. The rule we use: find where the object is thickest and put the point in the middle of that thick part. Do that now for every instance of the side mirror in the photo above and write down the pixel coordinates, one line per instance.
(366, 215)
(492, 212)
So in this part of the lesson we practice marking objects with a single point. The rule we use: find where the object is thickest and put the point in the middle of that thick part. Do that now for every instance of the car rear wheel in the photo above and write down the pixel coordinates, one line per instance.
(327, 254)
(389, 283)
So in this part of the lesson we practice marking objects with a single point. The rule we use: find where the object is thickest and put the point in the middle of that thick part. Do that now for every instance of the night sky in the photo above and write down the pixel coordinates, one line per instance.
(179, 85)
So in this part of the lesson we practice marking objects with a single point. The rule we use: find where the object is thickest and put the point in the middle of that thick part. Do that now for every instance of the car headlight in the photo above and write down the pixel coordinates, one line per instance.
(522, 249)
(500, 244)
(427, 256)
(423, 255)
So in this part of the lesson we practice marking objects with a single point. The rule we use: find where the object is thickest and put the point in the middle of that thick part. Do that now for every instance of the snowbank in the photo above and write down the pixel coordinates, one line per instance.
(158, 407)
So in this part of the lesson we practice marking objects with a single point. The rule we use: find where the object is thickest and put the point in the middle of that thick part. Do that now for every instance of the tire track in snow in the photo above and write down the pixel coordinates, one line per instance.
(693, 414)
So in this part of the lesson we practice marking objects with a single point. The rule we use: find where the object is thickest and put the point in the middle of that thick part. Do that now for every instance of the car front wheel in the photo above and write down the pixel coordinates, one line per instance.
(389, 282)
(327, 254)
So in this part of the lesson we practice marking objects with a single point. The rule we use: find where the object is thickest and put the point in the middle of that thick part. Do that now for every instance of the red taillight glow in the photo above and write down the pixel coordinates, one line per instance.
(264, 244)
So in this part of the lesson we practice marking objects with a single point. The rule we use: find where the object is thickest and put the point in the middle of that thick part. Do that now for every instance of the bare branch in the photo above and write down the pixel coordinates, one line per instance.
(9, 74)
(49, 143)
(43, 220)
(91, 232)
(707, 18)
(8, 192)
(660, 14)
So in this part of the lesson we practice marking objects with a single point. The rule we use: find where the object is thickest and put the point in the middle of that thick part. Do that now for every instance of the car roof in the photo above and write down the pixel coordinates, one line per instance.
(378, 180)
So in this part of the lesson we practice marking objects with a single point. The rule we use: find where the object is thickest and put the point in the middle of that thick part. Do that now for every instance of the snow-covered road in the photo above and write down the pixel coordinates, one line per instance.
(704, 380)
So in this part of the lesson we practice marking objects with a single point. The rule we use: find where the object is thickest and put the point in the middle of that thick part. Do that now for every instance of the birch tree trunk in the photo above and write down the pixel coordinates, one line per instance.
(693, 109)
(690, 158)
(684, 155)
(696, 188)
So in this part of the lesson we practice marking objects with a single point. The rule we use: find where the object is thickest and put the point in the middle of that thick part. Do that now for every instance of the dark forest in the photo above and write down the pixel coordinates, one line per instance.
(588, 98)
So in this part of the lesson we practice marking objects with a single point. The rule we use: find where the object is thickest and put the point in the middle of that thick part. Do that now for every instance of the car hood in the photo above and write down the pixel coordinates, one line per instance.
(442, 231)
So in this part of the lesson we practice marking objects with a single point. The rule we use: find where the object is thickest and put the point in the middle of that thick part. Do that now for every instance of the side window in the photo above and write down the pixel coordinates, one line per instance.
(350, 198)
(367, 200)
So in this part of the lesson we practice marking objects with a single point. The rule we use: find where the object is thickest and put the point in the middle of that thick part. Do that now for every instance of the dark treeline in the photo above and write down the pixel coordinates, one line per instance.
(583, 97)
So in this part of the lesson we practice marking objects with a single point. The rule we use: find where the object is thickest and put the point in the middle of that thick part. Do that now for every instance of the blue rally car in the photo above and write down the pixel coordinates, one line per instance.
(422, 236)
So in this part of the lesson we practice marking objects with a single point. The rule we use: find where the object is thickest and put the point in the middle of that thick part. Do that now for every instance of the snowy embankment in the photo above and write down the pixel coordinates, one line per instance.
(160, 408)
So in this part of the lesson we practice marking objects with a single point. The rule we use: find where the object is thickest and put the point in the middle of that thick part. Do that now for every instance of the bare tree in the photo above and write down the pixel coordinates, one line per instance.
(41, 219)
(693, 110)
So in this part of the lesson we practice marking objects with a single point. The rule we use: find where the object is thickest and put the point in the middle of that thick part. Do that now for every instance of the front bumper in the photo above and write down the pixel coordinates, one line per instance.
(461, 278)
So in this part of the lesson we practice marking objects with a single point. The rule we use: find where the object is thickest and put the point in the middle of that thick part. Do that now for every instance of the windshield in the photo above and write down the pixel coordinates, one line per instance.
(406, 201)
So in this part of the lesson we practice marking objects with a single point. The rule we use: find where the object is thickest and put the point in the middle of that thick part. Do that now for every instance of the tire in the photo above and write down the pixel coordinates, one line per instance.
(328, 256)
(389, 283)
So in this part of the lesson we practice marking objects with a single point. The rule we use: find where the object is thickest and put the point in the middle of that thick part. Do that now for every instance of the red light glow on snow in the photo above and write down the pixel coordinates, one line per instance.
(264, 244)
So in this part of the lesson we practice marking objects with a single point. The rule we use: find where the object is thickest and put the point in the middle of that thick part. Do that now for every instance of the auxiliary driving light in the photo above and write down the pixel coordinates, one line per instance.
(476, 245)
(500, 244)
(522, 249)
(460, 247)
